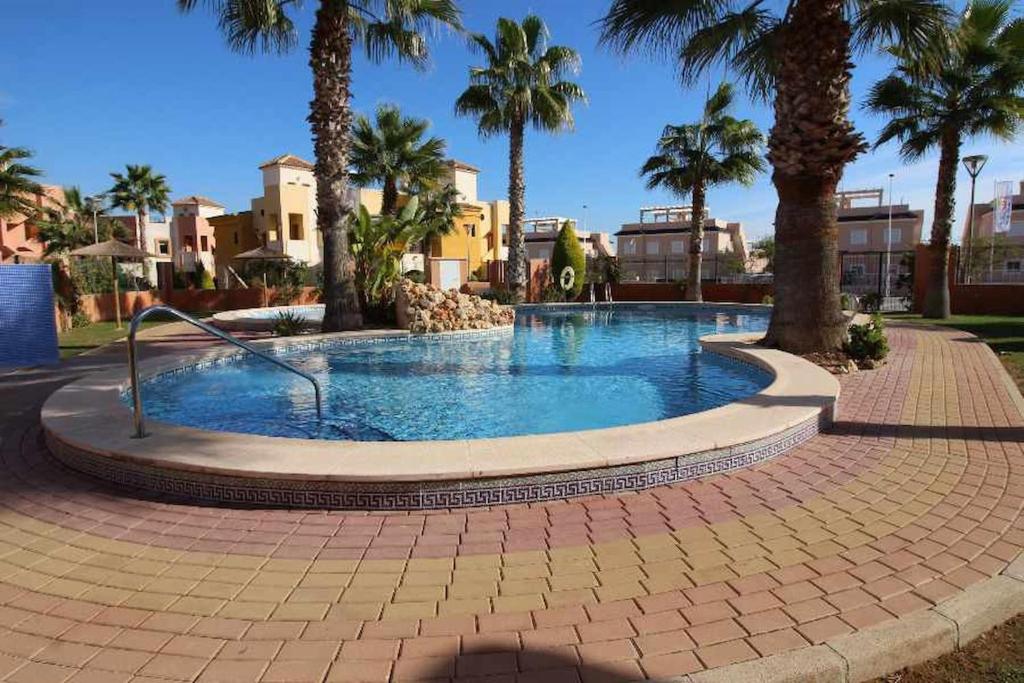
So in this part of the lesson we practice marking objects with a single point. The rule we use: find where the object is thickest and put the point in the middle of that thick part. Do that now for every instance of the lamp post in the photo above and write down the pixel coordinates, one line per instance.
(888, 246)
(973, 164)
(95, 202)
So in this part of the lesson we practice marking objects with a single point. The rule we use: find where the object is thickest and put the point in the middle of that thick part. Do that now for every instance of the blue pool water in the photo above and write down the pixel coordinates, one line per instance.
(559, 371)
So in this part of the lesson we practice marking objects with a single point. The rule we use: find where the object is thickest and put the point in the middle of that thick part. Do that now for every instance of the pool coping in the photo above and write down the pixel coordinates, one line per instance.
(88, 427)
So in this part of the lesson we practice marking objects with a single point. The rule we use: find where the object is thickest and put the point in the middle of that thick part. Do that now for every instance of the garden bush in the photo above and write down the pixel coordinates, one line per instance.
(568, 252)
(868, 342)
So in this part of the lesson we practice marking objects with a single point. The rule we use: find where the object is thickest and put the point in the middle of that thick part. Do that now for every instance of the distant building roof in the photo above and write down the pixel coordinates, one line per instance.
(196, 199)
(289, 160)
(462, 165)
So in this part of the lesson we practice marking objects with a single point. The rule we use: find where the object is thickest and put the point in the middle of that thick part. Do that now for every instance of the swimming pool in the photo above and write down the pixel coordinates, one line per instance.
(559, 370)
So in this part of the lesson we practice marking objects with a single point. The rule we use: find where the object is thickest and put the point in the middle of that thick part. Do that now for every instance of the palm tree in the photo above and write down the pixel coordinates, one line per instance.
(521, 84)
(140, 190)
(801, 60)
(17, 182)
(384, 28)
(692, 157)
(67, 225)
(975, 89)
(391, 151)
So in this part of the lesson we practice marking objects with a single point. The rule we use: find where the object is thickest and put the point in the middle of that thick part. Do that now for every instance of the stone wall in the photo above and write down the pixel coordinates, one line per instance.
(426, 308)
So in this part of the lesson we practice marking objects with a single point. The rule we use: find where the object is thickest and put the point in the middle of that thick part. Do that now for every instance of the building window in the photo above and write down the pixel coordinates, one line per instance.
(190, 243)
(897, 235)
(1013, 265)
(163, 247)
(295, 231)
(470, 229)
(707, 245)
(236, 237)
(652, 248)
(678, 246)
(204, 243)
(629, 247)
(858, 237)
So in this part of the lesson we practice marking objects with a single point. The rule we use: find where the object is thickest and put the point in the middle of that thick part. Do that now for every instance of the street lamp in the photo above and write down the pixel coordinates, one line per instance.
(95, 203)
(888, 245)
(973, 164)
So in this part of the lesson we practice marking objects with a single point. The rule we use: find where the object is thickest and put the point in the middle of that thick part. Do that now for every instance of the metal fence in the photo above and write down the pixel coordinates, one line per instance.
(864, 275)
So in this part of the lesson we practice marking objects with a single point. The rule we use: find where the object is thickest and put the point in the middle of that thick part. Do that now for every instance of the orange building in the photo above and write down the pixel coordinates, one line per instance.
(19, 234)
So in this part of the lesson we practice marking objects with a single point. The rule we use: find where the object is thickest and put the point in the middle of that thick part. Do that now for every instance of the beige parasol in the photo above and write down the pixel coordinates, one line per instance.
(115, 250)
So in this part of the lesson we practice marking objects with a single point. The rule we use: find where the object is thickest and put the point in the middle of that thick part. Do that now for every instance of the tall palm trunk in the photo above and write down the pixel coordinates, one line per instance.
(330, 56)
(389, 198)
(693, 288)
(936, 301)
(140, 239)
(517, 266)
(810, 143)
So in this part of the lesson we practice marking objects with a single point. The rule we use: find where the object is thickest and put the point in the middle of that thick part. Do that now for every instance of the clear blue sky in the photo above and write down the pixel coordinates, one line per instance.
(91, 86)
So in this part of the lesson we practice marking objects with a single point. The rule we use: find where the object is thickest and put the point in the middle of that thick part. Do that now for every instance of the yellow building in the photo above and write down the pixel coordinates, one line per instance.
(477, 238)
(284, 219)
(234, 234)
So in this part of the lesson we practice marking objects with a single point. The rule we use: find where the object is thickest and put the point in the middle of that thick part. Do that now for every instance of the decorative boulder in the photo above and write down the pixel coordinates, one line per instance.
(422, 308)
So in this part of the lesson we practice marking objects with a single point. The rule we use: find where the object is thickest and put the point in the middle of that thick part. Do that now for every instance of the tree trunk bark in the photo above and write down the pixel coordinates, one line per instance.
(517, 266)
(936, 299)
(389, 198)
(811, 142)
(330, 118)
(693, 277)
(140, 239)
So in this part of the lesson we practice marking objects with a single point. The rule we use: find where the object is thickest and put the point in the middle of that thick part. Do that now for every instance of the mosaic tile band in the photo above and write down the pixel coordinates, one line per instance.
(342, 495)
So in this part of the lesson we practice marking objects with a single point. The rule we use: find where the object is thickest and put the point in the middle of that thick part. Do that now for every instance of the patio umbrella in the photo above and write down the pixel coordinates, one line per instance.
(264, 253)
(115, 250)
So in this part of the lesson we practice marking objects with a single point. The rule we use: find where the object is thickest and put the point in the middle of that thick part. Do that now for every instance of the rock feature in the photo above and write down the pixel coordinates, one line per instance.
(425, 308)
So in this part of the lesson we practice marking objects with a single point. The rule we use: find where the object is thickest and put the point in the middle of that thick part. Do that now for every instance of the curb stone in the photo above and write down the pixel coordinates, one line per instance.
(911, 640)
(996, 600)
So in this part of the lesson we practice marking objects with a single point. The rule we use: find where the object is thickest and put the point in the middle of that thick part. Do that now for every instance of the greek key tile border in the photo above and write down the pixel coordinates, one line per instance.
(339, 495)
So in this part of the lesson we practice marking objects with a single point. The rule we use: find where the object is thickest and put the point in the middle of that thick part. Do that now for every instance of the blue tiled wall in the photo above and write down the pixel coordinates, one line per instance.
(28, 331)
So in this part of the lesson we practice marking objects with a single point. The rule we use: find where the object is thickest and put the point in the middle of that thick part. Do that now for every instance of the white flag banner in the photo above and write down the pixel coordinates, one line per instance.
(1002, 206)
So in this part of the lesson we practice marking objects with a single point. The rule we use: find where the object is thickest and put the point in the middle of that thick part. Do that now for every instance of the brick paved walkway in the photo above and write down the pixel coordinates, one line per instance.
(916, 494)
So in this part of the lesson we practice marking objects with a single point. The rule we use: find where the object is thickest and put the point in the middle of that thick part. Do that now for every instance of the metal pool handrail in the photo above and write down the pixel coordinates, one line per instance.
(133, 366)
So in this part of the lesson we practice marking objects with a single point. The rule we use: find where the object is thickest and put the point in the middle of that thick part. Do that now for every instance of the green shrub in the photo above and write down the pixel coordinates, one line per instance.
(552, 294)
(416, 276)
(868, 342)
(80, 319)
(499, 294)
(846, 301)
(568, 252)
(768, 299)
(206, 280)
(871, 303)
(288, 324)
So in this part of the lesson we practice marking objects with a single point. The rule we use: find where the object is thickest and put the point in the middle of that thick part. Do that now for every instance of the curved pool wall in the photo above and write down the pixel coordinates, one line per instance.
(563, 369)
(87, 427)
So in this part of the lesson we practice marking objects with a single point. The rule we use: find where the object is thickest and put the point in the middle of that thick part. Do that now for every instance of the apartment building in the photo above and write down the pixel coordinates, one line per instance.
(866, 243)
(192, 237)
(996, 257)
(657, 247)
(19, 234)
(540, 235)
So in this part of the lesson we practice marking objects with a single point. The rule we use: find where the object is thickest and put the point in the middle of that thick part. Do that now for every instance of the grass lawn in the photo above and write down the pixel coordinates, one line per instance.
(82, 339)
(1004, 333)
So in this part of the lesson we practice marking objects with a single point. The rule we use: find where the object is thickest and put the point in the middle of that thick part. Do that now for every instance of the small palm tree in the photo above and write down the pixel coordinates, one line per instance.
(391, 151)
(796, 54)
(17, 182)
(976, 88)
(384, 28)
(520, 85)
(141, 190)
(67, 225)
(377, 244)
(716, 150)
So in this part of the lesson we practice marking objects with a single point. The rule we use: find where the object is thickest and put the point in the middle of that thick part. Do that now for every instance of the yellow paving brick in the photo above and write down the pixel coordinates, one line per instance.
(410, 610)
(254, 611)
(300, 611)
(517, 603)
